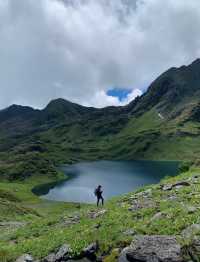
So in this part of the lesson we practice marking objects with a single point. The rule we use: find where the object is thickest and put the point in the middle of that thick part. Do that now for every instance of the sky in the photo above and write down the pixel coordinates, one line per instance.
(92, 52)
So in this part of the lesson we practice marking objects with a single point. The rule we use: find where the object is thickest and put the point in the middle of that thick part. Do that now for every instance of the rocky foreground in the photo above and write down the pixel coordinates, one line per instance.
(173, 206)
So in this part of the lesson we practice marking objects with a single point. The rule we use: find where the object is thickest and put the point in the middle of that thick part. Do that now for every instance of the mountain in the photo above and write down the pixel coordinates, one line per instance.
(61, 109)
(161, 124)
(173, 90)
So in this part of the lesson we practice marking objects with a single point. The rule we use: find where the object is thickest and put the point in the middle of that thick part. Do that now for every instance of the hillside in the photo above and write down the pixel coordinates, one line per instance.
(161, 222)
(161, 124)
(164, 123)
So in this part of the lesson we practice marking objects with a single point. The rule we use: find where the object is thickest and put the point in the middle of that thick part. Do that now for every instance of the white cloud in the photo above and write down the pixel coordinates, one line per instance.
(101, 99)
(79, 49)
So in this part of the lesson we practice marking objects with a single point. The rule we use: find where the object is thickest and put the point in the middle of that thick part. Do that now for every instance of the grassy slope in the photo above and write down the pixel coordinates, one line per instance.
(45, 229)
(144, 137)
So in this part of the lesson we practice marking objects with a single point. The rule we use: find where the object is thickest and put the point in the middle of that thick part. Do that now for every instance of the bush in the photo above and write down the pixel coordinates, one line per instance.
(185, 166)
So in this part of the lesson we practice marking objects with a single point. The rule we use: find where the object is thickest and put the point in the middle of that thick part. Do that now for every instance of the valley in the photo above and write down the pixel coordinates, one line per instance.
(162, 124)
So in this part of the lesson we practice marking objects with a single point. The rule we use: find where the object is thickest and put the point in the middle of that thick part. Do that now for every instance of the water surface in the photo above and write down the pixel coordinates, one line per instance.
(116, 178)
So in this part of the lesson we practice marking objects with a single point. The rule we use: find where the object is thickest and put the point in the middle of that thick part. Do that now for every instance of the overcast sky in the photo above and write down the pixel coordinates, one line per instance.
(81, 49)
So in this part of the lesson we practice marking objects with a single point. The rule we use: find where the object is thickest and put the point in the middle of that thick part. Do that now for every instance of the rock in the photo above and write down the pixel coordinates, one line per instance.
(172, 198)
(96, 214)
(90, 251)
(63, 254)
(133, 197)
(79, 260)
(129, 232)
(25, 258)
(158, 216)
(181, 183)
(193, 250)
(50, 258)
(177, 185)
(13, 224)
(71, 220)
(122, 257)
(191, 231)
(152, 249)
(147, 193)
(191, 209)
(166, 187)
(142, 203)
(194, 178)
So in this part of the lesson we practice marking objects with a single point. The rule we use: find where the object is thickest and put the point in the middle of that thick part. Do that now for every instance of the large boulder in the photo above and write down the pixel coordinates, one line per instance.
(152, 249)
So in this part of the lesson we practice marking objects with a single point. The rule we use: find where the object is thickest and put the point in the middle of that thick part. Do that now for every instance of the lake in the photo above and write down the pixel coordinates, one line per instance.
(116, 178)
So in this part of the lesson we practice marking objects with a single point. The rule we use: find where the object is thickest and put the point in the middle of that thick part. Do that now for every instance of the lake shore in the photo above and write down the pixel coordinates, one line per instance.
(116, 177)
(49, 224)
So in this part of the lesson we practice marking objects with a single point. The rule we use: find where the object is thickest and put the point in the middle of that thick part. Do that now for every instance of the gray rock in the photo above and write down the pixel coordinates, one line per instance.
(166, 187)
(147, 193)
(63, 254)
(50, 258)
(96, 214)
(193, 250)
(13, 224)
(158, 216)
(122, 257)
(142, 203)
(181, 183)
(177, 185)
(172, 198)
(191, 231)
(90, 251)
(152, 249)
(25, 258)
(191, 209)
(71, 220)
(79, 260)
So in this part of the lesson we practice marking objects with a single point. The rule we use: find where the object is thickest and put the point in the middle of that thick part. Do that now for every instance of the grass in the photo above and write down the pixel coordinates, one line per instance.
(45, 226)
(44, 222)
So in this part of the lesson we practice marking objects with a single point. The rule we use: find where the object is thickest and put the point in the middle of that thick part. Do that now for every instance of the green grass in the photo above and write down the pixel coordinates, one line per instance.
(143, 137)
(45, 230)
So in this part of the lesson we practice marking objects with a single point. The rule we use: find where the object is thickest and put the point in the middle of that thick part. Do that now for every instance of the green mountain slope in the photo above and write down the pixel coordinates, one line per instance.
(164, 123)
(161, 124)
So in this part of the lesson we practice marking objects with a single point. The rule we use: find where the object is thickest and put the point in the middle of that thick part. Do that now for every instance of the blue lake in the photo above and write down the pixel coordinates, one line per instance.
(116, 178)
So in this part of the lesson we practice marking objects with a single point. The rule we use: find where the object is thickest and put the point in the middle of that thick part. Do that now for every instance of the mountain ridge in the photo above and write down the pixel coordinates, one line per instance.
(163, 123)
(175, 77)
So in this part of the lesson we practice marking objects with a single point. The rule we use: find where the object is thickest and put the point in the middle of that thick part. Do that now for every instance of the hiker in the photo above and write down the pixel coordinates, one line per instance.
(98, 193)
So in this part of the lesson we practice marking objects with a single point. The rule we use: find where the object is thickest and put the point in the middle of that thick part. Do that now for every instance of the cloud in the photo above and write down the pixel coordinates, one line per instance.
(80, 49)
(101, 99)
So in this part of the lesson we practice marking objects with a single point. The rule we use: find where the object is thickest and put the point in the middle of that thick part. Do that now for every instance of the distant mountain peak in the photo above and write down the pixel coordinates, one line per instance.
(17, 108)
(58, 101)
(196, 62)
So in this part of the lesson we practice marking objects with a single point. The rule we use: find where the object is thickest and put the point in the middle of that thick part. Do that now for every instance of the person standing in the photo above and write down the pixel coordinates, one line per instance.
(98, 193)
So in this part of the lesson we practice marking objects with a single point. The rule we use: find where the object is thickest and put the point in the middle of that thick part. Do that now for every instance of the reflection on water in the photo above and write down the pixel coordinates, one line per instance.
(116, 177)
